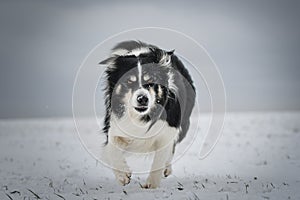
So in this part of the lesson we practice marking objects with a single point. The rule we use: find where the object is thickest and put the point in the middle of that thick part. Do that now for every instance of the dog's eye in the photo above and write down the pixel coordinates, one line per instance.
(150, 80)
(131, 79)
(146, 77)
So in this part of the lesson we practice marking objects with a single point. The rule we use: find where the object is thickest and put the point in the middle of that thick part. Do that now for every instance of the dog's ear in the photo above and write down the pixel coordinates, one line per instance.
(166, 57)
(107, 61)
(171, 52)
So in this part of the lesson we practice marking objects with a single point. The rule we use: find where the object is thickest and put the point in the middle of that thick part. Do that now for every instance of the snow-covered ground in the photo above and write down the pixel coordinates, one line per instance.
(257, 157)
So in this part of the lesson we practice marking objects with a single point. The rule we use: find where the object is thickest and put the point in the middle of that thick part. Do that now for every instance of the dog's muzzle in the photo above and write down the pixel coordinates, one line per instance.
(142, 101)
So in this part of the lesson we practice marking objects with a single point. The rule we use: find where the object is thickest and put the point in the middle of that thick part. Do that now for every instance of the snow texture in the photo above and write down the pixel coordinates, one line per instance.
(257, 157)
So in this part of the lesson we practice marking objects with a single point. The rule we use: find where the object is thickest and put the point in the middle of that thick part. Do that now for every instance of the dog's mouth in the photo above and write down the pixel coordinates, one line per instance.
(141, 108)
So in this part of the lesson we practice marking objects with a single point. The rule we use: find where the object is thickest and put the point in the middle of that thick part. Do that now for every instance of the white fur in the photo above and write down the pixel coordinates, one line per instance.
(120, 52)
(136, 52)
(160, 92)
(140, 74)
(118, 89)
(159, 139)
(146, 77)
(165, 60)
(132, 78)
(171, 82)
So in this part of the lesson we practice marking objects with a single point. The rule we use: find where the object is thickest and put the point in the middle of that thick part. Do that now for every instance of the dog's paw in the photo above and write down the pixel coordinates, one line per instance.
(152, 182)
(168, 171)
(123, 177)
(149, 186)
(146, 186)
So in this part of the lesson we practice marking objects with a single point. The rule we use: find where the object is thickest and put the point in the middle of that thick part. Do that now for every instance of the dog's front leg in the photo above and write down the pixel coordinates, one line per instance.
(168, 169)
(158, 166)
(115, 152)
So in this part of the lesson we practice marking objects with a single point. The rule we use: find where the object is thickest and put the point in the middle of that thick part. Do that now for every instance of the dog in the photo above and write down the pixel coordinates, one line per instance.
(149, 98)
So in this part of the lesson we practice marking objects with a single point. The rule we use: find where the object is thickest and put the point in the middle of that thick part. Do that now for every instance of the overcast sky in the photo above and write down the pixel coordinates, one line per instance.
(256, 45)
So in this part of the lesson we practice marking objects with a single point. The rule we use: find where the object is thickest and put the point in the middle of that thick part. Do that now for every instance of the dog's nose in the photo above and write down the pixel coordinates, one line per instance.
(142, 100)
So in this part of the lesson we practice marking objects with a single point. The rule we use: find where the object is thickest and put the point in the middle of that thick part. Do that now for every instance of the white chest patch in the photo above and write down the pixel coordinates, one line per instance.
(142, 140)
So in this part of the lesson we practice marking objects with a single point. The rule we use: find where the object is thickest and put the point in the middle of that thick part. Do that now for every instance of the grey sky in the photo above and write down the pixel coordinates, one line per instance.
(256, 45)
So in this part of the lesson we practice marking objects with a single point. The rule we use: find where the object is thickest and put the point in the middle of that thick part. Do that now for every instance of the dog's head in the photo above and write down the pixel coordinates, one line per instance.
(140, 79)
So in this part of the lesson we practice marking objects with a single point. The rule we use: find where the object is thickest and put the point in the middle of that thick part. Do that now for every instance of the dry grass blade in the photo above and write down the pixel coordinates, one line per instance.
(9, 196)
(59, 196)
(37, 196)
(15, 192)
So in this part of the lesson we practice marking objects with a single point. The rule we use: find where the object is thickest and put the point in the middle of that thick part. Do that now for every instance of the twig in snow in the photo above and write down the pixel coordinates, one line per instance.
(81, 190)
(76, 194)
(9, 196)
(60, 196)
(66, 181)
(231, 182)
(15, 192)
(36, 196)
(140, 185)
(180, 187)
(196, 197)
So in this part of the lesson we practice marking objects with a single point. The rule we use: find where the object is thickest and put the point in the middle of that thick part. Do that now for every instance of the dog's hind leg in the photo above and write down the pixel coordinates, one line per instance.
(117, 161)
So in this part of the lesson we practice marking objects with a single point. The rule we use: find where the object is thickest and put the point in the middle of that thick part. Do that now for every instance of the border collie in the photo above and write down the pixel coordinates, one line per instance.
(149, 99)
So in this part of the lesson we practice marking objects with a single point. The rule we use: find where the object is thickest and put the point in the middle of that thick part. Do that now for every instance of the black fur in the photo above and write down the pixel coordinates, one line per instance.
(174, 106)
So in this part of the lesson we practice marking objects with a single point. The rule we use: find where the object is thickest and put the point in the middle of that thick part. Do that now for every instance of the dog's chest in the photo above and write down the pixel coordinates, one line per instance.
(137, 137)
